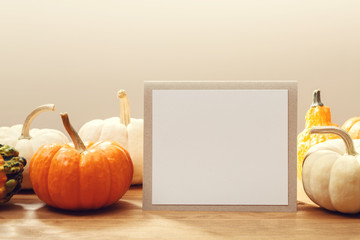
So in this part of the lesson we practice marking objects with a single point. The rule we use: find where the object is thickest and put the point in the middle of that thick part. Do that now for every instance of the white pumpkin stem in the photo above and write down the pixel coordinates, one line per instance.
(350, 149)
(316, 99)
(25, 133)
(125, 117)
(78, 143)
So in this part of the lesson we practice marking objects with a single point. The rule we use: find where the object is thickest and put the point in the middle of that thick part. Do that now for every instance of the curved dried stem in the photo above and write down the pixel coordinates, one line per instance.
(350, 149)
(25, 133)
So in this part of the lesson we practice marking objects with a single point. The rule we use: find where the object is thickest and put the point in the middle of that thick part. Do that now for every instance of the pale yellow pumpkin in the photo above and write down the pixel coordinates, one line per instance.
(352, 126)
(125, 130)
(331, 172)
(28, 141)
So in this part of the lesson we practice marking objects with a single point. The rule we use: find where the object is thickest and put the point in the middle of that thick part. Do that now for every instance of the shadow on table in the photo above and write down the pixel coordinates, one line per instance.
(26, 191)
(113, 210)
(13, 206)
(83, 222)
(11, 212)
(10, 207)
(312, 209)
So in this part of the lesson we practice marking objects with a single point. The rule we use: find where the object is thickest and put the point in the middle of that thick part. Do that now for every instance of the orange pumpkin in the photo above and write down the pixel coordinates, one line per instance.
(352, 126)
(81, 177)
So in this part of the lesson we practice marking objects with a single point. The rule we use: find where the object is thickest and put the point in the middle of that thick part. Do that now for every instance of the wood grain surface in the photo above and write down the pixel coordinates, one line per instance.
(26, 217)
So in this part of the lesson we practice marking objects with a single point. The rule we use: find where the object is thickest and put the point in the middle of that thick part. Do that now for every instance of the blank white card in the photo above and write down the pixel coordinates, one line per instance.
(220, 147)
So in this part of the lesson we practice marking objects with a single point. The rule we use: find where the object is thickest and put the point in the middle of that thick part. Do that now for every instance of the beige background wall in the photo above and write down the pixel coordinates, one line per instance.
(77, 54)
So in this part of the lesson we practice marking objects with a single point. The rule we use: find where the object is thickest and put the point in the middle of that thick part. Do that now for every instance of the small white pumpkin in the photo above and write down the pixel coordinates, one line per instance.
(125, 130)
(331, 172)
(28, 141)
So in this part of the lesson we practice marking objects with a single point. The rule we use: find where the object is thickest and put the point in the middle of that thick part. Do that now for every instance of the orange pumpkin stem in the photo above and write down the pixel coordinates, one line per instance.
(316, 99)
(25, 133)
(124, 107)
(350, 149)
(78, 143)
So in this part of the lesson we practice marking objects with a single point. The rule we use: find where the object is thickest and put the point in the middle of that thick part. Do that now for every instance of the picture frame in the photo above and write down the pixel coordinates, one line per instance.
(220, 146)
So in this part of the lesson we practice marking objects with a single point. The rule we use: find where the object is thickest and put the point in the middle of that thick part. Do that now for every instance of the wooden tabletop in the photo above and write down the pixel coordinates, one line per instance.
(25, 216)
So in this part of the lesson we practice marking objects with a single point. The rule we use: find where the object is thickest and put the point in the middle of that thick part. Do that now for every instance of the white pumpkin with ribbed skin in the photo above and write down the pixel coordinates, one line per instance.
(27, 141)
(331, 172)
(125, 130)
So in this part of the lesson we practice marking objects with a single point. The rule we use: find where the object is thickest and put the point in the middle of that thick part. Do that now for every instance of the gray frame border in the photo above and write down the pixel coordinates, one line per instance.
(291, 86)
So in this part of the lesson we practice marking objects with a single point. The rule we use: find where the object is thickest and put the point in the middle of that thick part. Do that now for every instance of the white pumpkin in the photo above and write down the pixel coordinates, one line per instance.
(27, 141)
(331, 172)
(125, 130)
